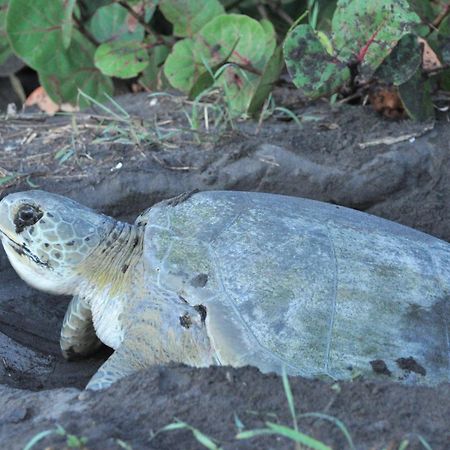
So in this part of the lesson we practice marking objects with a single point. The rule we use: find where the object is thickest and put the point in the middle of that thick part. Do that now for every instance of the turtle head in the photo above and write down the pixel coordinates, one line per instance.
(47, 237)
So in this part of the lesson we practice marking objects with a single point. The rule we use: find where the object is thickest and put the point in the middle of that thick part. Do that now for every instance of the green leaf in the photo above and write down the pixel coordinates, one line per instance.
(368, 31)
(157, 55)
(89, 7)
(232, 51)
(443, 40)
(312, 68)
(122, 59)
(74, 441)
(403, 61)
(203, 82)
(236, 38)
(189, 16)
(149, 7)
(5, 48)
(297, 436)
(36, 36)
(73, 70)
(427, 11)
(110, 23)
(67, 23)
(271, 36)
(416, 98)
(266, 82)
(246, 46)
(180, 67)
(207, 79)
(444, 80)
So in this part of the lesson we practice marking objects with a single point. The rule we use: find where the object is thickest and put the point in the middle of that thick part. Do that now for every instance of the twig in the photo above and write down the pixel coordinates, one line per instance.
(281, 13)
(388, 140)
(233, 5)
(85, 31)
(141, 20)
(441, 16)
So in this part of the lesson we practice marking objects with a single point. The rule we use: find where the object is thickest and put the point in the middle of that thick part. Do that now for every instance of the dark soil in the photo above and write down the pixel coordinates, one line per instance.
(346, 155)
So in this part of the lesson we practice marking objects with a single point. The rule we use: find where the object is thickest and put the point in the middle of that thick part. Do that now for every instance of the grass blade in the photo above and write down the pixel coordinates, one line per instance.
(238, 423)
(117, 105)
(249, 434)
(336, 422)
(297, 436)
(38, 437)
(289, 396)
(174, 426)
(424, 442)
(289, 113)
(6, 179)
(204, 440)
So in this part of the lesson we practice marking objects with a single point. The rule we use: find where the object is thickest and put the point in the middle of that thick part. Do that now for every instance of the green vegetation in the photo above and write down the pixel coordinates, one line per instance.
(235, 47)
(300, 440)
(72, 441)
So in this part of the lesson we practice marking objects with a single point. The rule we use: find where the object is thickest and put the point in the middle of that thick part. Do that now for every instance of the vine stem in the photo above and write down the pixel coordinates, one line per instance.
(141, 20)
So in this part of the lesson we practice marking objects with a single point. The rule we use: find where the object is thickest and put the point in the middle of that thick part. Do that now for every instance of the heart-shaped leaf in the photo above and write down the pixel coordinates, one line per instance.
(37, 35)
(67, 23)
(366, 32)
(110, 23)
(180, 67)
(5, 48)
(122, 59)
(403, 61)
(151, 74)
(189, 16)
(310, 65)
(415, 96)
(68, 72)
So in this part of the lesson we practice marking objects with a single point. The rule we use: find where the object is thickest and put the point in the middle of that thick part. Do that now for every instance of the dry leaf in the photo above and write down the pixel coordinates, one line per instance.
(385, 100)
(430, 60)
(40, 98)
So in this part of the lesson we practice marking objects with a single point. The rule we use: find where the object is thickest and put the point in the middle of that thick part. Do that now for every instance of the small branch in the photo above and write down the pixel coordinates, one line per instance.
(441, 16)
(390, 140)
(85, 32)
(277, 9)
(247, 68)
(262, 12)
(141, 20)
(233, 5)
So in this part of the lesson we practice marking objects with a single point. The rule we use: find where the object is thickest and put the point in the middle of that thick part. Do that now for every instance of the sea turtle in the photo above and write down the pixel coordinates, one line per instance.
(239, 278)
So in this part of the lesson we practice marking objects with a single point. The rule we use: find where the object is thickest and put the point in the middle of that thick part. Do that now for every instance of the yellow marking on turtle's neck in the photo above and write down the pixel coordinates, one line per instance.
(110, 267)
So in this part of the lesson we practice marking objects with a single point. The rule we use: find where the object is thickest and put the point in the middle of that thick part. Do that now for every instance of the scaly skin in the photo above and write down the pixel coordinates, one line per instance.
(61, 247)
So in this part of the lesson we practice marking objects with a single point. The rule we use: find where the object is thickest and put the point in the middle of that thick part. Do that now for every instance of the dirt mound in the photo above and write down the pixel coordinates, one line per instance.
(220, 402)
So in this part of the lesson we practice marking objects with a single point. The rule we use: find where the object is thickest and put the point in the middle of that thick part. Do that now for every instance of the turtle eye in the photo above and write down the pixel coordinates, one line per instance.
(26, 216)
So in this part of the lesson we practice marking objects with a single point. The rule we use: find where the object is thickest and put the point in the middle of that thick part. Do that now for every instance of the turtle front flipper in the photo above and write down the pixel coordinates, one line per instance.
(78, 336)
(120, 364)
